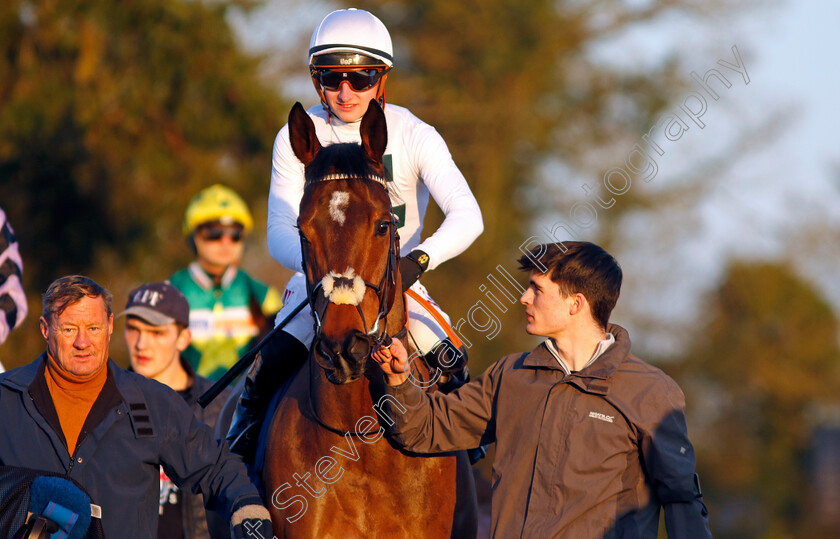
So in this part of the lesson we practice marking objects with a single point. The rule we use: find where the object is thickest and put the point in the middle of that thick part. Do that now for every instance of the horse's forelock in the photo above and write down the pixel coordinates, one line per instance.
(345, 158)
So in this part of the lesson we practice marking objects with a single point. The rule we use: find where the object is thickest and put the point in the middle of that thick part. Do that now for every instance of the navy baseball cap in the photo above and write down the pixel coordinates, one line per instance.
(158, 304)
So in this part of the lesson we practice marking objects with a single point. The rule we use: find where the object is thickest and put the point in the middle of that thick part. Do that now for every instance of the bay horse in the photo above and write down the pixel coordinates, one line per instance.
(330, 471)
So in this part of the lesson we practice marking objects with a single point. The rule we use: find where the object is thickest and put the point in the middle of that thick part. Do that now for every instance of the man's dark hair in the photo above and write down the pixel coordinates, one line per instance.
(65, 291)
(579, 266)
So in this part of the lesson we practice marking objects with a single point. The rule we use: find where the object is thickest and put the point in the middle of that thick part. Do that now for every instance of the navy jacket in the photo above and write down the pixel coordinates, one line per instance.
(135, 426)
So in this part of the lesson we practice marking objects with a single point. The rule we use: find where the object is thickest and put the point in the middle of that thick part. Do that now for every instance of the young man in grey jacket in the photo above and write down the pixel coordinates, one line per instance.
(590, 440)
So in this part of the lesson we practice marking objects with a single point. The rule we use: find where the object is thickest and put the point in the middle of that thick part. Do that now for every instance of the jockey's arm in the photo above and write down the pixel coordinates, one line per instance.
(448, 187)
(284, 197)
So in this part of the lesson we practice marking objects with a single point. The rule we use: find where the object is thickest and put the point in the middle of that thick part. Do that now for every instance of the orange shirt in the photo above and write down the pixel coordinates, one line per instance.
(73, 398)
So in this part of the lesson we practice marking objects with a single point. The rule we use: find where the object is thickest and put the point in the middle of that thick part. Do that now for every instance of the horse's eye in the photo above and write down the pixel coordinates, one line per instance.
(382, 228)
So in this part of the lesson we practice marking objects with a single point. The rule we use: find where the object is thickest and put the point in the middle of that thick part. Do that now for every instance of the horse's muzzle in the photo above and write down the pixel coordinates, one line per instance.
(344, 362)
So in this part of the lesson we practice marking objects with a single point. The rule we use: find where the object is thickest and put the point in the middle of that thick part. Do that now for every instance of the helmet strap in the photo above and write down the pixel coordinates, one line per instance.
(327, 109)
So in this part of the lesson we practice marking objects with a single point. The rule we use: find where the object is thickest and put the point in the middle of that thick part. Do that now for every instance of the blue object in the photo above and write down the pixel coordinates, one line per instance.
(62, 516)
(63, 503)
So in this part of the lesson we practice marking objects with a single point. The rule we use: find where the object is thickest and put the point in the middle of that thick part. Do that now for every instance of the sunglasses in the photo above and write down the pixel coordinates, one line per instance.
(216, 234)
(360, 79)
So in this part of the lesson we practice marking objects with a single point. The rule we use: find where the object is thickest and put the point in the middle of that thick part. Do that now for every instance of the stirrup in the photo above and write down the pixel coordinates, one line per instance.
(454, 380)
(477, 454)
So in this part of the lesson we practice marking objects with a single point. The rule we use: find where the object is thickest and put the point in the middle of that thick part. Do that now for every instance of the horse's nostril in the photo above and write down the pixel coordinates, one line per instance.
(326, 351)
(358, 346)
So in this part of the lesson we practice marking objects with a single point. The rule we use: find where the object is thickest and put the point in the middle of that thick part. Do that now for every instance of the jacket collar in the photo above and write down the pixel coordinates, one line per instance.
(601, 369)
(31, 378)
(20, 378)
(602, 347)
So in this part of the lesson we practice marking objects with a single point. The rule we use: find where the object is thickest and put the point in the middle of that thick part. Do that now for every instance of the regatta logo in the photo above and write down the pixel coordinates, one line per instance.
(602, 417)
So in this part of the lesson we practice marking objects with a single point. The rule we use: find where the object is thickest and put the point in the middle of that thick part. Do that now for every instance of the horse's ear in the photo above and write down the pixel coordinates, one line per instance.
(302, 135)
(374, 132)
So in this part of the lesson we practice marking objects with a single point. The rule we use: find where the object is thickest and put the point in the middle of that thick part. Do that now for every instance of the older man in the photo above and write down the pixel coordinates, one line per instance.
(74, 412)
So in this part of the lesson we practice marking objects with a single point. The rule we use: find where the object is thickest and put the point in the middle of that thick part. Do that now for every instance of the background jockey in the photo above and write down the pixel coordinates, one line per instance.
(350, 56)
(229, 309)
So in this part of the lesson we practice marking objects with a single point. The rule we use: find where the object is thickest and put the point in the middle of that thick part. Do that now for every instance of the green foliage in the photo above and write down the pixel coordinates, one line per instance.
(112, 115)
(766, 357)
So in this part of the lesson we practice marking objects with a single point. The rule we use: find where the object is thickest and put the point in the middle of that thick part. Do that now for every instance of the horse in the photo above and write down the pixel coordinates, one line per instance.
(330, 471)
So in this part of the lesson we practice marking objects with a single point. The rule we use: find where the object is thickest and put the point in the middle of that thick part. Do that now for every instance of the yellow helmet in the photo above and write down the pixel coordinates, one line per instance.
(217, 203)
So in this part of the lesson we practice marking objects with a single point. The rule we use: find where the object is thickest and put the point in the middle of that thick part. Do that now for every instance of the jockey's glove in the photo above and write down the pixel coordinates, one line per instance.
(251, 522)
(412, 267)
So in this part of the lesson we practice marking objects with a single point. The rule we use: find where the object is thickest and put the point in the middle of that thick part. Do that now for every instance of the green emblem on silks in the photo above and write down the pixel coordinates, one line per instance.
(388, 161)
(399, 211)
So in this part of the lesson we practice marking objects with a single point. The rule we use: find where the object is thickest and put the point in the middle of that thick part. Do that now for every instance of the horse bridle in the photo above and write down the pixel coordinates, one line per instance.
(342, 432)
(385, 292)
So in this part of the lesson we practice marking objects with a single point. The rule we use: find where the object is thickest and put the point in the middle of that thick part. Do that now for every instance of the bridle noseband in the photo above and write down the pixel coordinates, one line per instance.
(385, 290)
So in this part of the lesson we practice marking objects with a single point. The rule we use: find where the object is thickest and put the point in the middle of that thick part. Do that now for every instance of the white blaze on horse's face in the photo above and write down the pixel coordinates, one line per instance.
(343, 288)
(338, 203)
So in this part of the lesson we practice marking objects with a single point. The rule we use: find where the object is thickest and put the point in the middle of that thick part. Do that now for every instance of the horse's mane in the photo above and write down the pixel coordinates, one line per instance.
(344, 158)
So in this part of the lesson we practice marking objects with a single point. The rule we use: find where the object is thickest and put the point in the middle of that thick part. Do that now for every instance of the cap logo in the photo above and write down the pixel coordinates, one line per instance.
(150, 297)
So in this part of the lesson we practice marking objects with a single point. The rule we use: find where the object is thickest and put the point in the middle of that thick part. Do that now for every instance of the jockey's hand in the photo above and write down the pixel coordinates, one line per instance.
(393, 361)
(412, 267)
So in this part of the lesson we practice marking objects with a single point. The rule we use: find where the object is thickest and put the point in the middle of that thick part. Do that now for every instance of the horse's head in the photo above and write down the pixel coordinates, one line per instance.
(349, 244)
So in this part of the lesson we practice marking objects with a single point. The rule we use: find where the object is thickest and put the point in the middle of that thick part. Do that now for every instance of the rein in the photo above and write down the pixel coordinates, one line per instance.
(385, 293)
(313, 408)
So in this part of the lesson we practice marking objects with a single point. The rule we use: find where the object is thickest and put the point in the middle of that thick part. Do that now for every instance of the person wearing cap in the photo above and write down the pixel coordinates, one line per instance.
(157, 317)
(350, 58)
(229, 309)
(74, 412)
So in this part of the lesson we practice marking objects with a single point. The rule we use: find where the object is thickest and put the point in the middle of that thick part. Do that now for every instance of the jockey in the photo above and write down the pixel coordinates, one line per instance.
(350, 56)
(229, 309)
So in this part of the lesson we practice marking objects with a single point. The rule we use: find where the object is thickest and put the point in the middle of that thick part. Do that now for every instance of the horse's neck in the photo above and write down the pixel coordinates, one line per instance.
(340, 406)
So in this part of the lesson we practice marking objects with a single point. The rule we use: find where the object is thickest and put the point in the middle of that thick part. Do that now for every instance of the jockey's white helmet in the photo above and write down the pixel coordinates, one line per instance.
(351, 38)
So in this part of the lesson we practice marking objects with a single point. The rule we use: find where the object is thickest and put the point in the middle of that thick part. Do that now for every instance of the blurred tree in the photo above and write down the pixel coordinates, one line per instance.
(767, 355)
(509, 85)
(112, 115)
